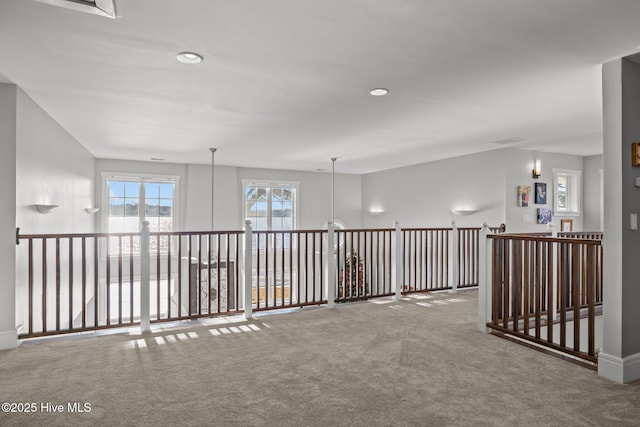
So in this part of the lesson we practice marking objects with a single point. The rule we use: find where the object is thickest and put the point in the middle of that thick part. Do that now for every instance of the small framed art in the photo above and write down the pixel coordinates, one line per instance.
(566, 225)
(541, 193)
(544, 215)
(523, 195)
(635, 154)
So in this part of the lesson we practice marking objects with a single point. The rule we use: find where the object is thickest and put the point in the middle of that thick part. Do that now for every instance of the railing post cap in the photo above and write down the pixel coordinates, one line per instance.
(396, 223)
(247, 222)
(145, 223)
(485, 226)
(453, 222)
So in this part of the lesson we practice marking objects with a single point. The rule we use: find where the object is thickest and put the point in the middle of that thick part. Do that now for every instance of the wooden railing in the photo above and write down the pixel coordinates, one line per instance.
(596, 235)
(65, 282)
(364, 263)
(547, 290)
(288, 268)
(425, 259)
(79, 282)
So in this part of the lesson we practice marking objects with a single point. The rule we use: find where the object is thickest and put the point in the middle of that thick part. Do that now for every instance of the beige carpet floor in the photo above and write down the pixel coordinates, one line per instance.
(417, 362)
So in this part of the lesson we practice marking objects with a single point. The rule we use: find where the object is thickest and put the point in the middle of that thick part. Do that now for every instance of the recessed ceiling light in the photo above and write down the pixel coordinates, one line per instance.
(157, 159)
(379, 91)
(189, 58)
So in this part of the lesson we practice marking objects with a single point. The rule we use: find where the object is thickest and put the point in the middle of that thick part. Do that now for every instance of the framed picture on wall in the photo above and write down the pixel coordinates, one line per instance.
(635, 154)
(523, 195)
(566, 225)
(544, 215)
(541, 193)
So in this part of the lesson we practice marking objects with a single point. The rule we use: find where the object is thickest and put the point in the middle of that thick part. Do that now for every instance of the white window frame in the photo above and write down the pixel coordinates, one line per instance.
(574, 192)
(139, 177)
(271, 184)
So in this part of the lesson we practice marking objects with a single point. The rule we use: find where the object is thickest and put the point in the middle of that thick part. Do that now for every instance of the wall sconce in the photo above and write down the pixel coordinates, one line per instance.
(376, 211)
(92, 210)
(46, 208)
(535, 173)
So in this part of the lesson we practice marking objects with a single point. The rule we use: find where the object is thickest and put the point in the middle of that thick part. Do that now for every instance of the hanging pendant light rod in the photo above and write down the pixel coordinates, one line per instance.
(333, 186)
(213, 151)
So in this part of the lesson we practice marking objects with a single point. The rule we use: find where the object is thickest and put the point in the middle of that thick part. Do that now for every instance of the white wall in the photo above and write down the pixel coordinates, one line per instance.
(8, 337)
(52, 168)
(423, 195)
(592, 191)
(226, 198)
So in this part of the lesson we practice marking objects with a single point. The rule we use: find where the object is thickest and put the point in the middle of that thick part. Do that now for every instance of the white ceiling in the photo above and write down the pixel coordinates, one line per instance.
(285, 83)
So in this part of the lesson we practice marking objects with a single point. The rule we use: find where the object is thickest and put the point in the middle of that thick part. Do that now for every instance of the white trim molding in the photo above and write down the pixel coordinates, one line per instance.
(8, 339)
(621, 370)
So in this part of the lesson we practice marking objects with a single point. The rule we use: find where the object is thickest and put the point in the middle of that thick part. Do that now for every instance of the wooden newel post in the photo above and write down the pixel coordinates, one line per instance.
(247, 272)
(397, 262)
(455, 259)
(145, 294)
(484, 278)
(330, 258)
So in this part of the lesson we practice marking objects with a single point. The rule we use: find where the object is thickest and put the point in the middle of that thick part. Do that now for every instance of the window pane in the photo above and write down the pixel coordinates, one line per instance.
(166, 191)
(152, 190)
(116, 207)
(116, 189)
(165, 208)
(152, 209)
(270, 208)
(131, 207)
(561, 193)
(132, 189)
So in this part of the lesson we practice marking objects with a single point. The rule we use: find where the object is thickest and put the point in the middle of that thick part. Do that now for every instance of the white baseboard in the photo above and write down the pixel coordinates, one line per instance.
(8, 339)
(621, 370)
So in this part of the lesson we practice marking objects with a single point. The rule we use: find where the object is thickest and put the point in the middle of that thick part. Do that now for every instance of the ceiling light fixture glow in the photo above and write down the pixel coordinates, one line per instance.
(379, 91)
(189, 58)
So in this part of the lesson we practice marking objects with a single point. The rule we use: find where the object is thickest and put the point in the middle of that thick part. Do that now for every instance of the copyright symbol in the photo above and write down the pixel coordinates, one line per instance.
(6, 407)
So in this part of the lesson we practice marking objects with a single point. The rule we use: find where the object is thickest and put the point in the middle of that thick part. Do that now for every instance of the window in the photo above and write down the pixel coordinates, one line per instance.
(566, 185)
(133, 199)
(270, 205)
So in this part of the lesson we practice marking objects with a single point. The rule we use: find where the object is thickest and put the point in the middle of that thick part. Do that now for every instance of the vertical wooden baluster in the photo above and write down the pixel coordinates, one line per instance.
(591, 283)
(169, 257)
(526, 285)
(563, 285)
(539, 285)
(131, 277)
(299, 269)
(120, 280)
(96, 266)
(507, 283)
(179, 290)
(190, 274)
(550, 291)
(45, 285)
(218, 268)
(430, 287)
(291, 234)
(70, 283)
(57, 284)
(30, 286)
(497, 278)
(320, 266)
(108, 284)
(575, 284)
